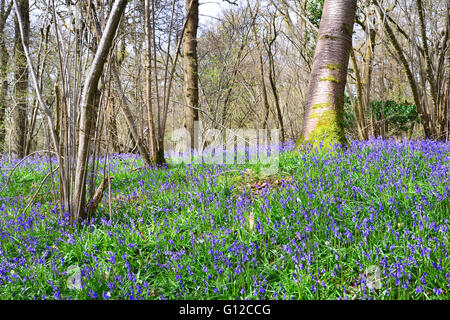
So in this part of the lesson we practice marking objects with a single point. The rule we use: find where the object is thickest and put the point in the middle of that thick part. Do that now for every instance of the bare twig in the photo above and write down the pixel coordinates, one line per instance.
(38, 189)
(21, 161)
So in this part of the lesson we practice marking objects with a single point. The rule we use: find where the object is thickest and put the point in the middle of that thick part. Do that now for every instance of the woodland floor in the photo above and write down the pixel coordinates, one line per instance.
(370, 222)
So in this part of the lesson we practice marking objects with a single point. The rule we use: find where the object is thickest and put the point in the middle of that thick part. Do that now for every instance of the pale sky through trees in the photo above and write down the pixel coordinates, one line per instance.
(208, 9)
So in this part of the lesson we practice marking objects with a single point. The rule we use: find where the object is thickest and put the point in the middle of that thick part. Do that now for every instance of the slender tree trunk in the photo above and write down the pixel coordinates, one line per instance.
(446, 103)
(87, 109)
(323, 121)
(150, 120)
(231, 83)
(261, 69)
(112, 126)
(31, 124)
(444, 116)
(429, 72)
(124, 106)
(19, 114)
(4, 58)
(4, 89)
(263, 84)
(275, 96)
(423, 114)
(190, 64)
(358, 109)
(264, 90)
(368, 80)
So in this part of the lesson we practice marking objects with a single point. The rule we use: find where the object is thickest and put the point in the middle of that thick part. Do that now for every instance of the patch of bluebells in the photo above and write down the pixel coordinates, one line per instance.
(184, 232)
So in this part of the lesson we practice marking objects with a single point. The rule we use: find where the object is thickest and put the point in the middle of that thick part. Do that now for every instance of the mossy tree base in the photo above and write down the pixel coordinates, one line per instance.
(327, 133)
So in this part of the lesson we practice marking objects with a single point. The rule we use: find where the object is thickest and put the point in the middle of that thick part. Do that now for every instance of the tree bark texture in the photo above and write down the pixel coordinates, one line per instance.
(126, 111)
(149, 105)
(423, 114)
(190, 65)
(323, 121)
(428, 67)
(264, 90)
(358, 108)
(368, 81)
(88, 108)
(19, 114)
(4, 58)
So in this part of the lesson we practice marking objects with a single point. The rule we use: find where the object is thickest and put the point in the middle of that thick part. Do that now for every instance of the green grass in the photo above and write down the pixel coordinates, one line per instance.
(320, 224)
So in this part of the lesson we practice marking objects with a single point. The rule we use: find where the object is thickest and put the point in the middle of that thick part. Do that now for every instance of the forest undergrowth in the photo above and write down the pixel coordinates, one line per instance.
(367, 222)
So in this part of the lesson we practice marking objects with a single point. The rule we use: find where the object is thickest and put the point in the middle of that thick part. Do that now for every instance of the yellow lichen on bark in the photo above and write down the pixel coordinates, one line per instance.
(332, 66)
(330, 78)
(328, 130)
(321, 105)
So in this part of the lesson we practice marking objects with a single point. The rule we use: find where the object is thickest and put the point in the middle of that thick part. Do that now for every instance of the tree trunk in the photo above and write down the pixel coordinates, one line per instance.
(428, 68)
(368, 78)
(275, 96)
(444, 108)
(323, 121)
(112, 126)
(261, 70)
(190, 65)
(446, 104)
(358, 108)
(264, 91)
(150, 120)
(19, 114)
(4, 58)
(124, 106)
(87, 108)
(424, 116)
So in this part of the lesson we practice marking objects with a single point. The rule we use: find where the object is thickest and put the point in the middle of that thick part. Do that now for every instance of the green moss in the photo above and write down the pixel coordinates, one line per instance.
(329, 130)
(330, 78)
(321, 105)
(328, 37)
(314, 115)
(332, 66)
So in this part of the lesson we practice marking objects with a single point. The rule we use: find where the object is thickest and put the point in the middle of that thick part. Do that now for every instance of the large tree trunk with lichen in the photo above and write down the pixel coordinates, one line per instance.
(19, 114)
(323, 121)
(190, 65)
